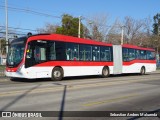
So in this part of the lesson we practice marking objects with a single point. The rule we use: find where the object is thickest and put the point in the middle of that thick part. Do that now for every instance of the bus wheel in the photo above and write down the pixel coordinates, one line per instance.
(12, 79)
(143, 71)
(57, 74)
(105, 72)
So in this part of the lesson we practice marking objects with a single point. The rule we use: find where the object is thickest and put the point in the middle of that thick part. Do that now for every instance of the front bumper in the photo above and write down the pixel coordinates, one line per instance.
(14, 74)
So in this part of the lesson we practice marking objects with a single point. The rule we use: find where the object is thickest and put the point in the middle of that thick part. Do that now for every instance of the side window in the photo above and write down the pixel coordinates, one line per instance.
(125, 54)
(40, 51)
(40, 54)
(51, 53)
(150, 55)
(143, 55)
(85, 52)
(95, 53)
(131, 54)
(105, 53)
(72, 51)
(138, 54)
(60, 50)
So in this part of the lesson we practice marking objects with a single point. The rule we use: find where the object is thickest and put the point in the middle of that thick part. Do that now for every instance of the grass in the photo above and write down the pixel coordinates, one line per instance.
(2, 67)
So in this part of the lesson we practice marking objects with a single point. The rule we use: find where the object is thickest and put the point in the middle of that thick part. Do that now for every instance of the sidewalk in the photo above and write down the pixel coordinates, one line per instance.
(157, 71)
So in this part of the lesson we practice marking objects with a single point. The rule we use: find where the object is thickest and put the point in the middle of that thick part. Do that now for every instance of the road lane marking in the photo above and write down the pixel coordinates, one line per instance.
(109, 100)
(69, 87)
(31, 92)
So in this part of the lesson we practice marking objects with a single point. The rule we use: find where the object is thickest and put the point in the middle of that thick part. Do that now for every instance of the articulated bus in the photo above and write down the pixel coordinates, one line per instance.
(56, 56)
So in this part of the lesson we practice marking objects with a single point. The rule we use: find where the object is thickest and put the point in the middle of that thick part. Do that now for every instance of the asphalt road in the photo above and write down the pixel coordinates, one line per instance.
(117, 93)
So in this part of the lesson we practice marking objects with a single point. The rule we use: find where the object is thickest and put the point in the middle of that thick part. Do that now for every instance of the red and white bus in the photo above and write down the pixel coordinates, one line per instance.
(56, 56)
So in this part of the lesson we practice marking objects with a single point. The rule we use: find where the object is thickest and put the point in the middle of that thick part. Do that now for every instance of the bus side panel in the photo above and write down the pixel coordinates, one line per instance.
(150, 67)
(136, 67)
(39, 72)
(46, 72)
(84, 70)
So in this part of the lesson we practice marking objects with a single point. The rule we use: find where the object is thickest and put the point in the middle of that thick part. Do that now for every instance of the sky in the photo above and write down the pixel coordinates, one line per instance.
(114, 9)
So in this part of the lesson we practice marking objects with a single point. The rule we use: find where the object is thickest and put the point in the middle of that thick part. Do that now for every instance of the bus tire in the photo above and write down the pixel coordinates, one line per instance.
(12, 79)
(57, 74)
(105, 72)
(143, 71)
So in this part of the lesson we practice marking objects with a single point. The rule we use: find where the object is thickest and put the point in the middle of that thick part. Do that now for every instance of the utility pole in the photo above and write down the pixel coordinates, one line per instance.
(79, 27)
(122, 35)
(6, 10)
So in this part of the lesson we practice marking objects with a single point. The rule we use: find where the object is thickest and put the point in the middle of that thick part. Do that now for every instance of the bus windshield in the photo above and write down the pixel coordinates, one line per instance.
(16, 52)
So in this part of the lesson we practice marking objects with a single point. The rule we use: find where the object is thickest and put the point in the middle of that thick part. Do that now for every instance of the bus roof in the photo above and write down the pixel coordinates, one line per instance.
(64, 38)
(136, 47)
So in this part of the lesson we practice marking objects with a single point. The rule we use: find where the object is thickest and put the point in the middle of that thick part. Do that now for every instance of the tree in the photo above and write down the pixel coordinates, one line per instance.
(97, 26)
(155, 39)
(135, 30)
(132, 28)
(114, 34)
(156, 24)
(49, 28)
(97, 35)
(3, 46)
(70, 26)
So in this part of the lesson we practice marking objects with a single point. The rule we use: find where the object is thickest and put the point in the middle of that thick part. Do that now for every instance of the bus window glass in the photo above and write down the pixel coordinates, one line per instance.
(40, 51)
(42, 54)
(72, 51)
(85, 52)
(36, 53)
(60, 51)
(137, 54)
(143, 55)
(16, 52)
(51, 54)
(29, 52)
(125, 54)
(105, 54)
(95, 53)
(150, 55)
(131, 54)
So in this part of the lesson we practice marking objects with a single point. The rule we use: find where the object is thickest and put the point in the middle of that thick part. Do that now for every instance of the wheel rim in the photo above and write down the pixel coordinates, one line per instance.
(105, 72)
(57, 74)
(142, 71)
